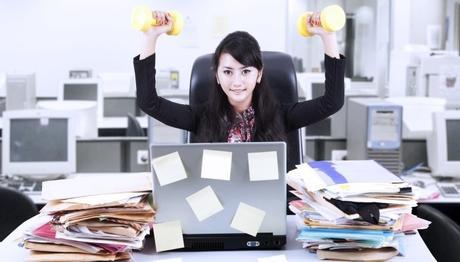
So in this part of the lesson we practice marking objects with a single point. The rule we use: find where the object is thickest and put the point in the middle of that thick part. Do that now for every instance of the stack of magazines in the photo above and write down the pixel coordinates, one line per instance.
(352, 210)
(91, 219)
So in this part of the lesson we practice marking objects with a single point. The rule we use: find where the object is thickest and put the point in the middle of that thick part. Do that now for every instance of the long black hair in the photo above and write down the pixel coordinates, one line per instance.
(219, 115)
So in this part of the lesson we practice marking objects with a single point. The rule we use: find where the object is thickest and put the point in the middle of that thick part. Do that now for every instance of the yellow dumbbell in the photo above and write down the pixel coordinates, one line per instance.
(332, 19)
(142, 19)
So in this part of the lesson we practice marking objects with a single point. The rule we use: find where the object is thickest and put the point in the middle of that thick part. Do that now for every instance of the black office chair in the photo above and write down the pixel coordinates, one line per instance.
(442, 236)
(279, 70)
(134, 128)
(16, 208)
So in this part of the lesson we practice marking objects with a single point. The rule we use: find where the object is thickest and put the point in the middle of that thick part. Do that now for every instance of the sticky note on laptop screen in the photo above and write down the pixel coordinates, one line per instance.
(263, 166)
(216, 164)
(204, 203)
(168, 236)
(248, 219)
(169, 168)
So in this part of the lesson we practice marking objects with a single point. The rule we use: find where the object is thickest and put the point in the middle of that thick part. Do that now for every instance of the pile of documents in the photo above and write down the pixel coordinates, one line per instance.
(91, 219)
(352, 210)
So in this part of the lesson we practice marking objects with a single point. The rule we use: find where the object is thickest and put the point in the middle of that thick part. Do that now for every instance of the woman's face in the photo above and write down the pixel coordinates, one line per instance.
(237, 81)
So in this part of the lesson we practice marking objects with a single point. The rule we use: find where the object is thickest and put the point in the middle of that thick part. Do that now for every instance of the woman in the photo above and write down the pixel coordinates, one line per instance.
(241, 107)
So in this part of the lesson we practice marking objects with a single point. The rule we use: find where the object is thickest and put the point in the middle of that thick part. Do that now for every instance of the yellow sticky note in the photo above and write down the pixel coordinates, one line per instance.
(204, 203)
(216, 164)
(279, 258)
(248, 219)
(169, 168)
(168, 236)
(263, 166)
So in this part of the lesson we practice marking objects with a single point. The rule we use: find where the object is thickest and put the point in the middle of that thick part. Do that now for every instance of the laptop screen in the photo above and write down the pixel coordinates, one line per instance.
(242, 186)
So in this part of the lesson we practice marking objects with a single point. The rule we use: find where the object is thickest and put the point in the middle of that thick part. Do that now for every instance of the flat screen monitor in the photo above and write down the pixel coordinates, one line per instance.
(118, 84)
(38, 144)
(20, 91)
(443, 146)
(84, 90)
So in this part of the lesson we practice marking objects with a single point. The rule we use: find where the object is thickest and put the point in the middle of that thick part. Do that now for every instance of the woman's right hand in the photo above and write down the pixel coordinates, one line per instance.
(164, 24)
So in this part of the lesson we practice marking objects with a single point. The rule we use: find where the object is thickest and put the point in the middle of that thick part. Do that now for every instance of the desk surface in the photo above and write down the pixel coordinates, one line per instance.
(415, 248)
(431, 193)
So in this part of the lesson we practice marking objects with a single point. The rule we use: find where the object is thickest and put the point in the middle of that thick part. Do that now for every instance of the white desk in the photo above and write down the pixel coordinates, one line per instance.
(415, 251)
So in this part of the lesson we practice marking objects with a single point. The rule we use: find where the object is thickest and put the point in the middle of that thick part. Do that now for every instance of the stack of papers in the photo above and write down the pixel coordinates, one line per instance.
(79, 223)
(352, 210)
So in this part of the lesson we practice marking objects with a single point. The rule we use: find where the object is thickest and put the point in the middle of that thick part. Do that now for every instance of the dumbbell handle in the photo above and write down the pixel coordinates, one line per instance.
(332, 19)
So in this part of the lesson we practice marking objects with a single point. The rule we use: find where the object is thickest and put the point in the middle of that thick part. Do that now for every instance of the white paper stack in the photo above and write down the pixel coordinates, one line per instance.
(97, 218)
(352, 210)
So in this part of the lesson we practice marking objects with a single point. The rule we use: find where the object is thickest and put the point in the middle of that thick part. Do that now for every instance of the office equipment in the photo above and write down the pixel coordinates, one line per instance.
(38, 144)
(118, 84)
(414, 109)
(20, 91)
(80, 73)
(167, 79)
(313, 87)
(449, 189)
(120, 106)
(85, 114)
(215, 233)
(19, 208)
(407, 76)
(279, 70)
(443, 145)
(442, 78)
(443, 236)
(83, 90)
(374, 131)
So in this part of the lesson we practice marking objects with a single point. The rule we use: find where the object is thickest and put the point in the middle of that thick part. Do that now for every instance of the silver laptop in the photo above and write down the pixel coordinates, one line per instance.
(215, 233)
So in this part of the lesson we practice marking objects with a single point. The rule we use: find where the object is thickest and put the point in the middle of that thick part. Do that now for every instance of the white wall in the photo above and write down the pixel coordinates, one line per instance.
(51, 37)
(422, 14)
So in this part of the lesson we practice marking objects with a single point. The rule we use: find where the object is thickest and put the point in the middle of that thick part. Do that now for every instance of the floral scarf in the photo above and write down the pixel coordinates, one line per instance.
(243, 127)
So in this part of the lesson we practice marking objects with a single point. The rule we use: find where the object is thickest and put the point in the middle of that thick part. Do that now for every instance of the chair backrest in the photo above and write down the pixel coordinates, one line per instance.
(16, 208)
(442, 237)
(279, 70)
(134, 128)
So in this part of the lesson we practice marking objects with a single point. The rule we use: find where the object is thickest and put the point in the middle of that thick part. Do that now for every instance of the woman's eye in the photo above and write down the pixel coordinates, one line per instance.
(246, 71)
(227, 72)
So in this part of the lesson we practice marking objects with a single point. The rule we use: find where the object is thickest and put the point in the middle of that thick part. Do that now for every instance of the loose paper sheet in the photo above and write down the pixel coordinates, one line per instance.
(312, 180)
(216, 164)
(248, 219)
(168, 236)
(263, 166)
(204, 203)
(169, 168)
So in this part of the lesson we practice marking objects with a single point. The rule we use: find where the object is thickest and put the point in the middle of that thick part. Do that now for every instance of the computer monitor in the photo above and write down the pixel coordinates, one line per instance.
(84, 90)
(20, 91)
(118, 84)
(443, 145)
(38, 144)
(85, 115)
(312, 86)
